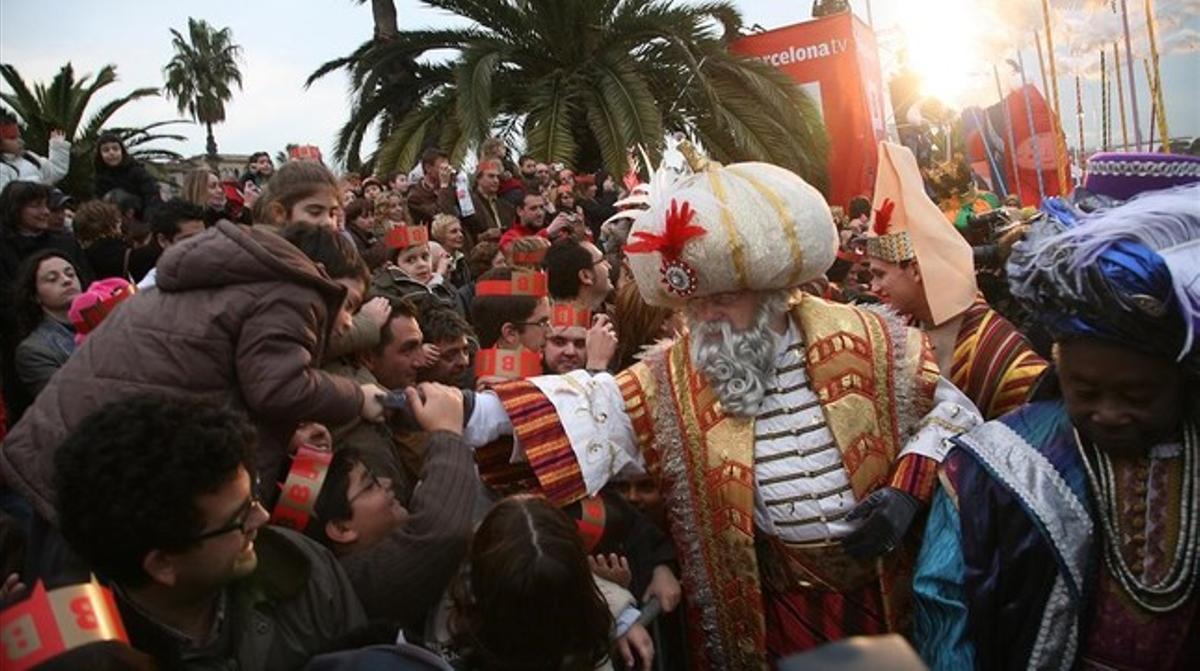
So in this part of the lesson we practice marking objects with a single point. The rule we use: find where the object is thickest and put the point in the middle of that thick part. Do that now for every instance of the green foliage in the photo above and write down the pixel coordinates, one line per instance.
(202, 72)
(63, 105)
(584, 80)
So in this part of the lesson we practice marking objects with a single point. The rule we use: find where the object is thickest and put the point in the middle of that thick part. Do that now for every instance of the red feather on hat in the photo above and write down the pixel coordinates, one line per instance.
(678, 231)
(883, 216)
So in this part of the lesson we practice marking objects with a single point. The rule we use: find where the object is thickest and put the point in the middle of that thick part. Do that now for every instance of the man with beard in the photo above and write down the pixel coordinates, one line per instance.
(797, 439)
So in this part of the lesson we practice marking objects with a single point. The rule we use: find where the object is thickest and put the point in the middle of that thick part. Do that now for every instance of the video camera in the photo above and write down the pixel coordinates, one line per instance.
(402, 416)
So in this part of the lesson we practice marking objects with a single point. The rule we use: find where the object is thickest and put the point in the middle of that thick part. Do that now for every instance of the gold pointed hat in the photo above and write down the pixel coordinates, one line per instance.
(909, 225)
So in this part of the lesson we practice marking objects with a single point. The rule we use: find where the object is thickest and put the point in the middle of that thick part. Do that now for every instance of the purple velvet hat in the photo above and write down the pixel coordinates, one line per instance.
(1123, 176)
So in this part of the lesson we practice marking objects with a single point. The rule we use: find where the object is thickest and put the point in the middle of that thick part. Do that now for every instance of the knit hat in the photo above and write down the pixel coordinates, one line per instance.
(741, 227)
(90, 308)
(908, 225)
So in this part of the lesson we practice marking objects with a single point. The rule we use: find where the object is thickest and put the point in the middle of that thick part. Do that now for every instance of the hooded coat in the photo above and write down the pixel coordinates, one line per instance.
(239, 317)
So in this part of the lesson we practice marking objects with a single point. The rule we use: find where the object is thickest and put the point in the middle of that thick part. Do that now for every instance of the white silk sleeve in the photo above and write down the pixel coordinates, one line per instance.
(593, 417)
(953, 413)
(488, 421)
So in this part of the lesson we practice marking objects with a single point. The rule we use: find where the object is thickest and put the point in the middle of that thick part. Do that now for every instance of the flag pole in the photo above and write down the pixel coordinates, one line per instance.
(1157, 88)
(1133, 105)
(1120, 96)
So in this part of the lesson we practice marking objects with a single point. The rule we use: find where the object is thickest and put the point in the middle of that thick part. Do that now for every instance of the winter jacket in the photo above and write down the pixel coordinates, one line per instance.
(30, 167)
(108, 257)
(131, 177)
(16, 247)
(43, 352)
(239, 317)
(391, 282)
(371, 247)
(296, 604)
(418, 559)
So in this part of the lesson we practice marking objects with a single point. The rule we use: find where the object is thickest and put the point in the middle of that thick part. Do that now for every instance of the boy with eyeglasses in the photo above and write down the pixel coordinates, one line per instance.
(157, 496)
(401, 543)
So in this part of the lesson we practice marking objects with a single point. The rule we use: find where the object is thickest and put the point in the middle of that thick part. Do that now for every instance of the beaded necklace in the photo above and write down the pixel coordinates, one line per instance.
(1179, 580)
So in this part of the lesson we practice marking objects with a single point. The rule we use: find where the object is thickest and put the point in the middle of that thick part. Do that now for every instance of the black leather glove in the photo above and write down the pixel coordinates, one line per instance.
(888, 513)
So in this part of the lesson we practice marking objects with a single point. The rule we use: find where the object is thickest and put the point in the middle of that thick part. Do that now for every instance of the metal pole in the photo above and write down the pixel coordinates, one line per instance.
(1157, 89)
(1120, 96)
(1012, 141)
(1103, 101)
(1033, 134)
(1137, 124)
(1079, 117)
(1050, 54)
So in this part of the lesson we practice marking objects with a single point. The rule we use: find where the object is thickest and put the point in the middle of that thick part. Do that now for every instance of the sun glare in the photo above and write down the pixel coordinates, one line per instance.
(941, 39)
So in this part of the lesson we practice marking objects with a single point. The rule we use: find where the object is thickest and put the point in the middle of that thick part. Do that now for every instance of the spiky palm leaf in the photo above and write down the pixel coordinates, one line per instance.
(201, 74)
(585, 80)
(63, 104)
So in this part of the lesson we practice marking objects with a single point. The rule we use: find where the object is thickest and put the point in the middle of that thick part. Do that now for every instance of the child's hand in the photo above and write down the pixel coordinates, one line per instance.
(612, 568)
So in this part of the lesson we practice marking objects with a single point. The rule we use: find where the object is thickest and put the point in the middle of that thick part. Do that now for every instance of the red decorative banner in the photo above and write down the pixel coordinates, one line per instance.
(403, 237)
(48, 624)
(303, 485)
(564, 315)
(522, 284)
(510, 364)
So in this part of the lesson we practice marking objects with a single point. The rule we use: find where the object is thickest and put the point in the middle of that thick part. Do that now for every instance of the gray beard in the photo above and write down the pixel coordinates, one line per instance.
(737, 364)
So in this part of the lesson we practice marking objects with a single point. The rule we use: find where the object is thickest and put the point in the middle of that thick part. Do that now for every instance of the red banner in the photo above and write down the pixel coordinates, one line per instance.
(835, 61)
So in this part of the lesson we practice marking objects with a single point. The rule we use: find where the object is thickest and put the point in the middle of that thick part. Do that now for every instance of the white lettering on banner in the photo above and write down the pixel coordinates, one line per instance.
(798, 54)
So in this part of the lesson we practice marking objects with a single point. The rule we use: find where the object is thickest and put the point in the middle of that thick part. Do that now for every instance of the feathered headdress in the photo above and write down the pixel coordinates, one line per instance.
(1130, 274)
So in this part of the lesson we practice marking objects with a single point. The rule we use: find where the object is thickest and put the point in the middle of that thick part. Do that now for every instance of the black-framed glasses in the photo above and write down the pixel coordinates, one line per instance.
(544, 323)
(372, 483)
(240, 519)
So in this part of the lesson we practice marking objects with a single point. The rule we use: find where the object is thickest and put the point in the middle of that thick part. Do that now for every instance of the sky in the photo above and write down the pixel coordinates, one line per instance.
(283, 41)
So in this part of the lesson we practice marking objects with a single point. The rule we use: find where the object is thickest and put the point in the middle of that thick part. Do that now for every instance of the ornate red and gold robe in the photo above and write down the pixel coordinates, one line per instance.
(876, 391)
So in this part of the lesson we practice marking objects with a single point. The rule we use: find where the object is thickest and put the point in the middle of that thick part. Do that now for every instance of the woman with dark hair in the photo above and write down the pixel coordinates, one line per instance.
(24, 229)
(46, 285)
(116, 169)
(528, 599)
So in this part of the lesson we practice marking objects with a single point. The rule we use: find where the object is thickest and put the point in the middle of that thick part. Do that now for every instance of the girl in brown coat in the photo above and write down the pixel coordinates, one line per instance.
(241, 316)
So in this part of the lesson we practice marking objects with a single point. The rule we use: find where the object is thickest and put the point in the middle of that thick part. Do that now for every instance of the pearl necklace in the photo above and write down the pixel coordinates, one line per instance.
(1177, 583)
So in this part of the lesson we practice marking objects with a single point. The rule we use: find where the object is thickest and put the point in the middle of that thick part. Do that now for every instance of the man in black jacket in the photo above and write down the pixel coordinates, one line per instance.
(200, 579)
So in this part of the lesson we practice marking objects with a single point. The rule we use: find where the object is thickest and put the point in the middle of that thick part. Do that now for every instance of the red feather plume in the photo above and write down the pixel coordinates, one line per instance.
(678, 231)
(883, 216)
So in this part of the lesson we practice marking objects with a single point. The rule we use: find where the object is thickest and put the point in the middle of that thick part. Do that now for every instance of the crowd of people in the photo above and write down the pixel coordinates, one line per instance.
(535, 418)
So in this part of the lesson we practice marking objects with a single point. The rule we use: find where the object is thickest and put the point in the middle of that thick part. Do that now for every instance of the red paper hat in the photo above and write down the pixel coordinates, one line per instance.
(591, 521)
(526, 283)
(300, 490)
(511, 364)
(530, 257)
(47, 624)
(403, 237)
(305, 152)
(565, 315)
(10, 131)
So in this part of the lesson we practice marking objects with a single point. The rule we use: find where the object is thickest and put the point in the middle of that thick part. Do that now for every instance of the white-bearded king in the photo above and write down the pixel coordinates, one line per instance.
(796, 439)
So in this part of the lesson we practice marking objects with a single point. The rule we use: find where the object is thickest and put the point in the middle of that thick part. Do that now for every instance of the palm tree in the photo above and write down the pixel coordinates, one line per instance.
(201, 72)
(582, 81)
(63, 105)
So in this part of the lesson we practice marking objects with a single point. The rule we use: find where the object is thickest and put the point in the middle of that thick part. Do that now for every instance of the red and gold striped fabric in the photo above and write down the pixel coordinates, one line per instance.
(994, 365)
(539, 430)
